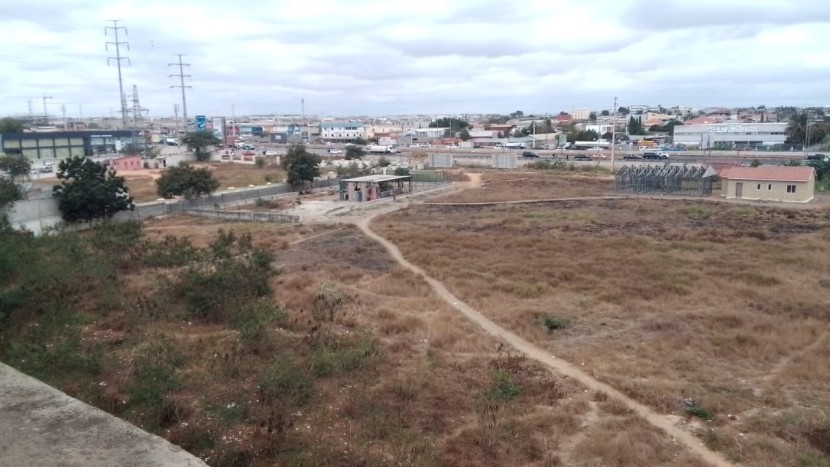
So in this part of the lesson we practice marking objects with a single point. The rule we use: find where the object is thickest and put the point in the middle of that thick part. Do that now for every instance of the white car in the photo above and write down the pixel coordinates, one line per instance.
(271, 153)
(335, 151)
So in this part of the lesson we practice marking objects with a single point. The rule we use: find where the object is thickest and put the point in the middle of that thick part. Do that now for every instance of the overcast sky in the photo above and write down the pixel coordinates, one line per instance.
(374, 57)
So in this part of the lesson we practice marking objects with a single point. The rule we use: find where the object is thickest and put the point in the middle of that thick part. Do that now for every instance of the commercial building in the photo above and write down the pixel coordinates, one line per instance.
(342, 132)
(769, 183)
(63, 144)
(731, 135)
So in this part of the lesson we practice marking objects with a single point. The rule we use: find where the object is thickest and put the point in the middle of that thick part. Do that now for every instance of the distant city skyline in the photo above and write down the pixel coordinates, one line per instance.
(369, 57)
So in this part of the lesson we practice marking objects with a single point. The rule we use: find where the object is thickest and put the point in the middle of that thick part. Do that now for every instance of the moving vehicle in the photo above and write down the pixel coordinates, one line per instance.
(529, 154)
(379, 149)
(582, 157)
(632, 157)
(655, 155)
(271, 153)
(335, 151)
(514, 145)
(818, 157)
(170, 142)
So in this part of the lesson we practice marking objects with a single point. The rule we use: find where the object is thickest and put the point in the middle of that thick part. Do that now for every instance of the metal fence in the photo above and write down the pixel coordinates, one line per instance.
(248, 216)
(665, 179)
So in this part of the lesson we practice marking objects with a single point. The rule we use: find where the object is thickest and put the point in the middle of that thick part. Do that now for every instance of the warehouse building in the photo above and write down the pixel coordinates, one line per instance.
(731, 135)
(63, 144)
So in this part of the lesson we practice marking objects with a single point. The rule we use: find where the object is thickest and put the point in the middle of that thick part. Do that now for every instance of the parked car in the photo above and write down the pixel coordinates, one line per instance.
(335, 151)
(595, 149)
(632, 157)
(582, 157)
(529, 154)
(655, 155)
(271, 153)
(248, 153)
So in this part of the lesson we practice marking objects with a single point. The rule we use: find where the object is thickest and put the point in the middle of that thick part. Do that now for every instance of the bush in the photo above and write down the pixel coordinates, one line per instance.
(186, 181)
(502, 388)
(553, 323)
(699, 412)
(384, 162)
(286, 383)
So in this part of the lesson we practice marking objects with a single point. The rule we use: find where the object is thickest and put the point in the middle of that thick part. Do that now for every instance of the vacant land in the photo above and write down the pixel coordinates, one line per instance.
(724, 306)
(512, 186)
(143, 187)
(291, 345)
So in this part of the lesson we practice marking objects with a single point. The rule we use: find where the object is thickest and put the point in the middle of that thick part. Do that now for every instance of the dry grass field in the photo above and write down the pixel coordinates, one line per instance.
(726, 304)
(356, 363)
(143, 187)
(513, 186)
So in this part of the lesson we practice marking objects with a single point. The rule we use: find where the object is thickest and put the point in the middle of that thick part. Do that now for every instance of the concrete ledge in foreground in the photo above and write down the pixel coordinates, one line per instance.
(41, 426)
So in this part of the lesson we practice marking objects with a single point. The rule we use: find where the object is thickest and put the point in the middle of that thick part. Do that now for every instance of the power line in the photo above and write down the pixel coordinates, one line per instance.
(181, 85)
(115, 28)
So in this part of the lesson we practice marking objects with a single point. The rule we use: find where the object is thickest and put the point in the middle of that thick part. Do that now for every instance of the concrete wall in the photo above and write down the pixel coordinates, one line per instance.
(769, 191)
(38, 215)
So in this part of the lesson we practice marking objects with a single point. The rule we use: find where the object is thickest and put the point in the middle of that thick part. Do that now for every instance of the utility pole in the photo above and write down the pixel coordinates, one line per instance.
(115, 28)
(613, 134)
(176, 115)
(63, 113)
(45, 112)
(181, 85)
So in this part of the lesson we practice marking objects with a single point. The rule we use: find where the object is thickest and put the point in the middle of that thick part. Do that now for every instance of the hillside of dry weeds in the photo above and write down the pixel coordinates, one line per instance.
(287, 345)
(724, 306)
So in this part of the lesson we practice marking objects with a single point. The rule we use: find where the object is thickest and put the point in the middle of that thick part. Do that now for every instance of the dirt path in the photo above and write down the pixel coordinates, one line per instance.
(786, 361)
(562, 367)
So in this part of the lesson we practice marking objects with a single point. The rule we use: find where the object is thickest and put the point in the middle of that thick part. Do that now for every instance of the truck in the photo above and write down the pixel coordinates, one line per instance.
(378, 149)
(514, 145)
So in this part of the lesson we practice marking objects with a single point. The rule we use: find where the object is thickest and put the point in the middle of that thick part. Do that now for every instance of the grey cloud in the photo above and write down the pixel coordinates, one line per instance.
(679, 15)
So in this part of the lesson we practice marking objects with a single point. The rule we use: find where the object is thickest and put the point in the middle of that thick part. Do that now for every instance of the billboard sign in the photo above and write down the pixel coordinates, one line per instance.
(219, 127)
(201, 123)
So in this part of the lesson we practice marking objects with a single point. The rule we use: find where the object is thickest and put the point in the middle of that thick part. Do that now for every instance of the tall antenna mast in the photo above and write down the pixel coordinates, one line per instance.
(181, 85)
(115, 28)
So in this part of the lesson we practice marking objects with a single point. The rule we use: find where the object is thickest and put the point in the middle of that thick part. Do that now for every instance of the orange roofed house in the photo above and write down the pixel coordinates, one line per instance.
(769, 183)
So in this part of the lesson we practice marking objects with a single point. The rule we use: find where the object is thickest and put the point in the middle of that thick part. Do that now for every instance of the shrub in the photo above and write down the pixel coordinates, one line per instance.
(286, 383)
(553, 323)
(502, 388)
(699, 412)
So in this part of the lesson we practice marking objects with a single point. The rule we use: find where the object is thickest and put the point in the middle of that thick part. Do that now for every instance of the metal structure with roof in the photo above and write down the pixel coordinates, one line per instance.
(372, 187)
(664, 179)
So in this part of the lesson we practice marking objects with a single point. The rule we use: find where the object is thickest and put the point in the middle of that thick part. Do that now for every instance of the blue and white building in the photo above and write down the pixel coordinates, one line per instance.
(748, 135)
(342, 132)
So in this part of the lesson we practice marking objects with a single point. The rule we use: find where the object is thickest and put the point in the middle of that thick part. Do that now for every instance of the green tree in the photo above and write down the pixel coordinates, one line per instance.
(464, 135)
(15, 165)
(186, 180)
(384, 162)
(199, 141)
(10, 125)
(354, 152)
(352, 170)
(401, 171)
(9, 192)
(592, 117)
(89, 191)
(302, 167)
(587, 135)
(623, 111)
(360, 141)
(799, 127)
(449, 122)
(517, 114)
(635, 126)
(605, 113)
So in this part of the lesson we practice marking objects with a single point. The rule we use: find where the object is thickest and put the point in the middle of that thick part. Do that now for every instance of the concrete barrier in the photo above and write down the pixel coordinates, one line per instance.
(41, 426)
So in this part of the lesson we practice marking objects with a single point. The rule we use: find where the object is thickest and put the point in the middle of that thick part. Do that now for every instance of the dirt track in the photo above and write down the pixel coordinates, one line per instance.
(560, 366)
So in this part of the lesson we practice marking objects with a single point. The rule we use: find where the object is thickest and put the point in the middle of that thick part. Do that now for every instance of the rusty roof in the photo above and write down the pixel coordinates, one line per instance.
(769, 173)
